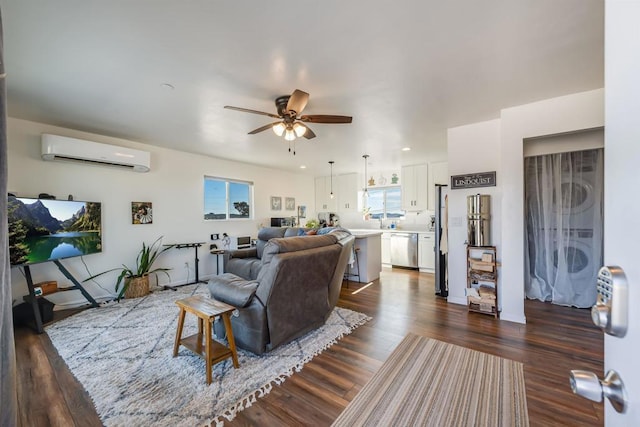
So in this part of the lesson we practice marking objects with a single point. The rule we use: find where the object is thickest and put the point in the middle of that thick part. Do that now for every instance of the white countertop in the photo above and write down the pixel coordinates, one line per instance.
(363, 231)
(361, 234)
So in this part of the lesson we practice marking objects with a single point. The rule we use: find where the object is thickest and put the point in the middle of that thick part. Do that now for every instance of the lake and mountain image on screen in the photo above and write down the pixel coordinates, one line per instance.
(46, 230)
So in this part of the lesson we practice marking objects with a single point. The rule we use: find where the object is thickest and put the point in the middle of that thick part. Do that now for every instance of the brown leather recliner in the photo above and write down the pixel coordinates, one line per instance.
(296, 288)
(246, 263)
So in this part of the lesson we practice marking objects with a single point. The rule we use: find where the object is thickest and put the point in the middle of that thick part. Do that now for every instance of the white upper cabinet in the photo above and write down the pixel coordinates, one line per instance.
(415, 186)
(324, 202)
(348, 194)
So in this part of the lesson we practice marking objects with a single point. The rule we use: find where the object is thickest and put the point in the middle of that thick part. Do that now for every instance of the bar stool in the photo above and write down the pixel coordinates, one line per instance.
(348, 275)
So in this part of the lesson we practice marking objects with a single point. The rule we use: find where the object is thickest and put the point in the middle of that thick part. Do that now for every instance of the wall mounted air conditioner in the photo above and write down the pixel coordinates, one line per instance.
(56, 147)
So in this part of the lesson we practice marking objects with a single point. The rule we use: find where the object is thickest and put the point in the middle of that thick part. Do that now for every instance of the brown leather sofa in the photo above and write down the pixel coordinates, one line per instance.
(297, 286)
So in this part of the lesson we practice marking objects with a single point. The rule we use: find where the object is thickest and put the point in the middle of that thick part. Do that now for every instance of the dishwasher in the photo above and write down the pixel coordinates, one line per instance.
(404, 249)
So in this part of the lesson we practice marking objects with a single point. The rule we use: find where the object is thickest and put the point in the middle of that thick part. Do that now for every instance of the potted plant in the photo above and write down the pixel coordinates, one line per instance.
(366, 213)
(135, 282)
(312, 223)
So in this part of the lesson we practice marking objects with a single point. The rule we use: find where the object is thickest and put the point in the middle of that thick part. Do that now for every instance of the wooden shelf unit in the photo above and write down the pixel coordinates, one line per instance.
(482, 280)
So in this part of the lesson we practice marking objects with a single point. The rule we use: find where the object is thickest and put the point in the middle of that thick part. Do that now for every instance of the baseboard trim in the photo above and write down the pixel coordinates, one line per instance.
(512, 317)
(457, 300)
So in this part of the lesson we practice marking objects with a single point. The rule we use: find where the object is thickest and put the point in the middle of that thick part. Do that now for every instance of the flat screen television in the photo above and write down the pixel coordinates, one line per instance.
(43, 230)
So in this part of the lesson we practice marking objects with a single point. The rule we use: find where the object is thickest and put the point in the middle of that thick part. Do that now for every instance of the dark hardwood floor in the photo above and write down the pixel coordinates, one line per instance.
(554, 341)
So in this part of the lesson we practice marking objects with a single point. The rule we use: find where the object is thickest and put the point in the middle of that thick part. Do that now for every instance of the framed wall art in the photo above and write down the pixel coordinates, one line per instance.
(276, 203)
(141, 213)
(290, 203)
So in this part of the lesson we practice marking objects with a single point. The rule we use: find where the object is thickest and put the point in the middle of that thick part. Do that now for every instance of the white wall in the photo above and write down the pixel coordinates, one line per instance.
(472, 148)
(174, 186)
(569, 113)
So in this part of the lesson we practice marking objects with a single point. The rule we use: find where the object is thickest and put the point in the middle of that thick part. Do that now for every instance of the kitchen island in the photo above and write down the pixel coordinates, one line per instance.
(368, 251)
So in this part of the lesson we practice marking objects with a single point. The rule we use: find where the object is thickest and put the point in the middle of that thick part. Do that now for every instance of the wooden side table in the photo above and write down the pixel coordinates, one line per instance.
(206, 309)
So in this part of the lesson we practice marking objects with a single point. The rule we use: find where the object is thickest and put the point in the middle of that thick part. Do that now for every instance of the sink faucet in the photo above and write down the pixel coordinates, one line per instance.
(381, 225)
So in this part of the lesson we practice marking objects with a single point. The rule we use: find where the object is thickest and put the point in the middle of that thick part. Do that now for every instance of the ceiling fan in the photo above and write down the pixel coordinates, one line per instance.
(291, 124)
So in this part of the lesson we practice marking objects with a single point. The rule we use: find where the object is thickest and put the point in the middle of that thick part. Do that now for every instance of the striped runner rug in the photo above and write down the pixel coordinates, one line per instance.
(426, 382)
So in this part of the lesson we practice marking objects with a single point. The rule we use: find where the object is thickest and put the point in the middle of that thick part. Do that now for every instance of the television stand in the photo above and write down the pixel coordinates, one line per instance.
(34, 299)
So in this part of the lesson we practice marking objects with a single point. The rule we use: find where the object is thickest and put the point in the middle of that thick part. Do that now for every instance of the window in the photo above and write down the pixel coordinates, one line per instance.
(385, 203)
(225, 199)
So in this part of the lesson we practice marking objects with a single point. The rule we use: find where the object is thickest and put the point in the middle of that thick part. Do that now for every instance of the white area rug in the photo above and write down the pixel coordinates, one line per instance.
(122, 355)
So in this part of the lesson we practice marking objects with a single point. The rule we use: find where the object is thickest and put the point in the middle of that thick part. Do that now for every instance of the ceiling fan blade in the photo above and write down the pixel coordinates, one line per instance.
(246, 110)
(309, 133)
(263, 128)
(323, 118)
(297, 101)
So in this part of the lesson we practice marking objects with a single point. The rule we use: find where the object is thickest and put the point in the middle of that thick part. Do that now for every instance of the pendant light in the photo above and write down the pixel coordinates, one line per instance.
(365, 192)
(331, 178)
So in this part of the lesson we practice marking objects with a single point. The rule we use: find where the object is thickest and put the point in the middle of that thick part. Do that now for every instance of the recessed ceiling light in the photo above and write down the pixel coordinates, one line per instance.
(167, 86)
(406, 149)
(303, 167)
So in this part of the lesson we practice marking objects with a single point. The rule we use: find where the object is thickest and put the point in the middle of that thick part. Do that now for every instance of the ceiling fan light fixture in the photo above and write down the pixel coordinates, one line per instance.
(278, 129)
(289, 135)
(299, 129)
(289, 108)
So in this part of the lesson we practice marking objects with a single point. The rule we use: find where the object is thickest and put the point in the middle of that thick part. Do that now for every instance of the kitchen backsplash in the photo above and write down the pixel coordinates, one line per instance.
(412, 221)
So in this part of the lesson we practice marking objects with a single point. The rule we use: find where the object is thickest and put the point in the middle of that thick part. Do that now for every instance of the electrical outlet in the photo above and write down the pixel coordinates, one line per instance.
(215, 236)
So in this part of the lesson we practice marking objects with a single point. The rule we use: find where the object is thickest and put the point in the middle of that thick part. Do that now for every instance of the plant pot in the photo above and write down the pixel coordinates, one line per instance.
(136, 287)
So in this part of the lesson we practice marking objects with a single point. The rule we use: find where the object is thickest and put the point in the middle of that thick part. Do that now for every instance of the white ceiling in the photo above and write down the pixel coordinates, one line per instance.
(405, 70)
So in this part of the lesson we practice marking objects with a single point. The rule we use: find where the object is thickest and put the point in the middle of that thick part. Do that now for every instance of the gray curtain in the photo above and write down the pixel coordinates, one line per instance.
(564, 208)
(8, 398)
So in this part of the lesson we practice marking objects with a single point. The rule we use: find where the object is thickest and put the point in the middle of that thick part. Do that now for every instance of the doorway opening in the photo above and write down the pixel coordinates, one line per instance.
(564, 226)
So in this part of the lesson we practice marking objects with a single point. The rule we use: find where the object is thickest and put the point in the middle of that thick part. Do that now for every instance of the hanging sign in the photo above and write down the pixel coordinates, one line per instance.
(473, 180)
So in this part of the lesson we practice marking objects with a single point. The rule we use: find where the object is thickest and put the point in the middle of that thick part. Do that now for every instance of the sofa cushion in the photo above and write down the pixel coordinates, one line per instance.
(325, 230)
(298, 243)
(265, 234)
(247, 268)
(232, 289)
(292, 231)
(243, 253)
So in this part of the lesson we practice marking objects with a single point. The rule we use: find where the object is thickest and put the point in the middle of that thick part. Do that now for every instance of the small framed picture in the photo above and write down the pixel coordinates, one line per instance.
(276, 203)
(290, 203)
(302, 211)
(141, 213)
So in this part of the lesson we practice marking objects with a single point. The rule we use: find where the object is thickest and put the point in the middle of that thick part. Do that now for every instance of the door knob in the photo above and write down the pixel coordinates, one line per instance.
(587, 384)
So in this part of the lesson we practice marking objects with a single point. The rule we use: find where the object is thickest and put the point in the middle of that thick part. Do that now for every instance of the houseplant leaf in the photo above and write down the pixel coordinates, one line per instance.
(144, 261)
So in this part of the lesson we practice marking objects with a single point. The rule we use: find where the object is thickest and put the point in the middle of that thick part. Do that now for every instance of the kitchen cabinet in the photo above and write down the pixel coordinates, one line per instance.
(386, 249)
(324, 202)
(348, 194)
(415, 184)
(427, 252)
(438, 174)
(367, 246)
